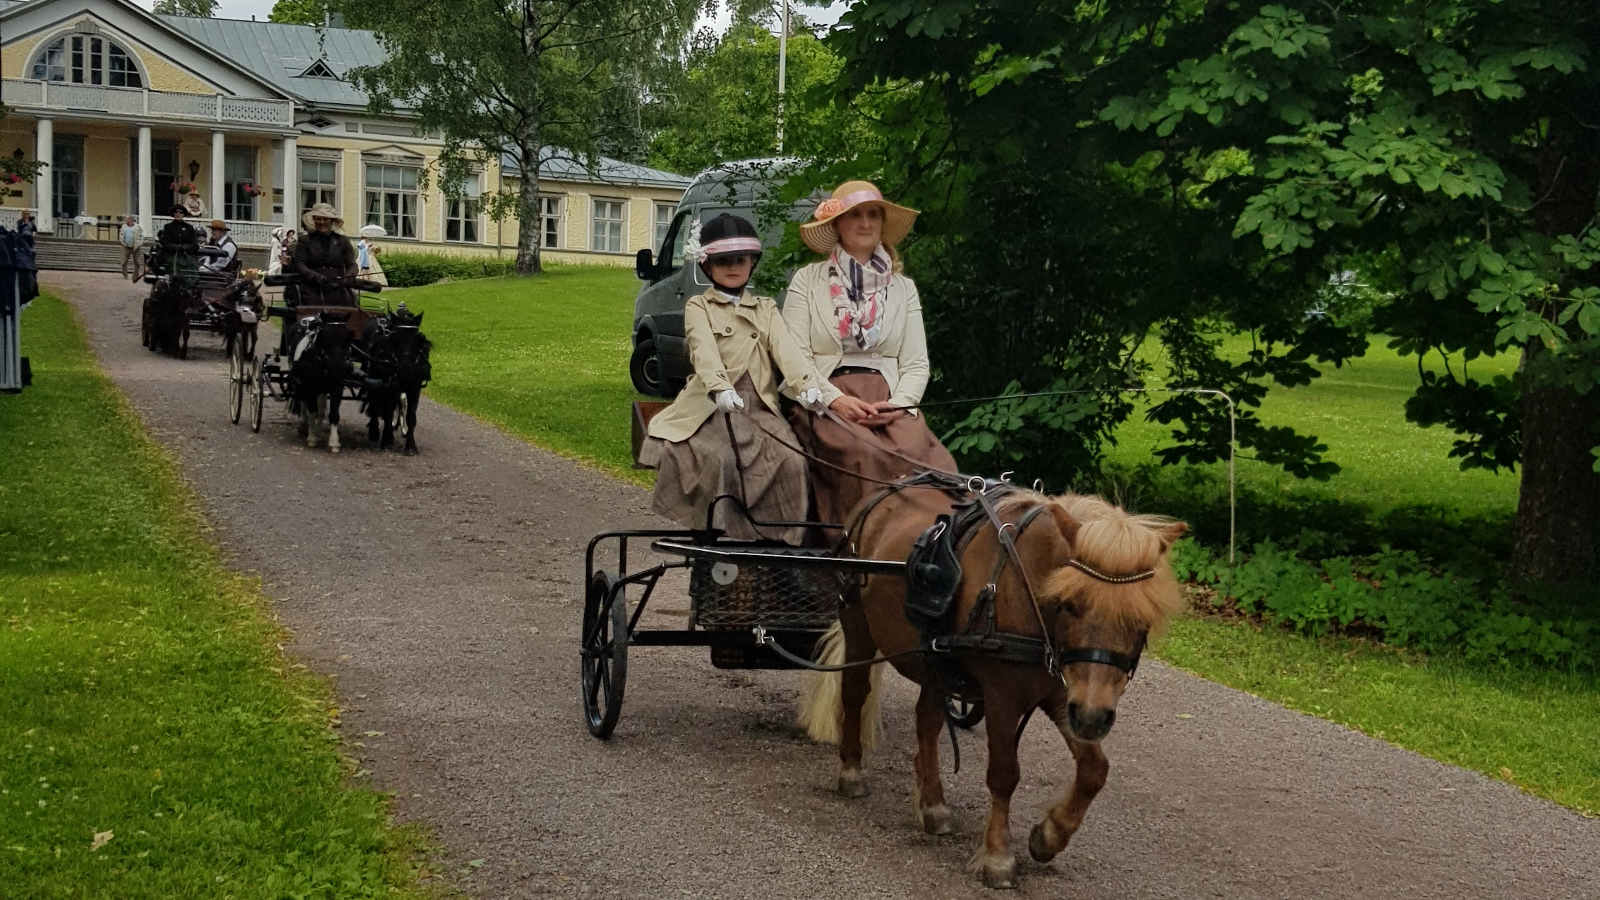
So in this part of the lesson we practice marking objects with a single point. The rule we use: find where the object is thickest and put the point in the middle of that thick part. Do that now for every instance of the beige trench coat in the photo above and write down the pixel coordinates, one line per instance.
(726, 341)
(902, 351)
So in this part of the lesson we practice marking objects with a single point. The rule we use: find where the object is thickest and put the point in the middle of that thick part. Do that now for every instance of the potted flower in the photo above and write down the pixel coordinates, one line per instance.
(255, 275)
(251, 189)
(184, 188)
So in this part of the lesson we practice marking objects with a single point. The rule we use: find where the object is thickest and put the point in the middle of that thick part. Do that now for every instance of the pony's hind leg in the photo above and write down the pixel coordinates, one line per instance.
(993, 859)
(332, 402)
(410, 409)
(927, 796)
(1051, 835)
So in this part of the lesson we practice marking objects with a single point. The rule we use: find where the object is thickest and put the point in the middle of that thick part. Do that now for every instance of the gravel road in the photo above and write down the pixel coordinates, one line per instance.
(443, 593)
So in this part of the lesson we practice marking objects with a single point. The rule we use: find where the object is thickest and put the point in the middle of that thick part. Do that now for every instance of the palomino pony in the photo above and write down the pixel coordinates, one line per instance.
(1071, 610)
(398, 369)
(319, 365)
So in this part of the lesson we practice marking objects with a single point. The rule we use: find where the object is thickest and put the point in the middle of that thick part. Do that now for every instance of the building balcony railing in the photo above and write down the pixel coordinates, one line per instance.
(46, 97)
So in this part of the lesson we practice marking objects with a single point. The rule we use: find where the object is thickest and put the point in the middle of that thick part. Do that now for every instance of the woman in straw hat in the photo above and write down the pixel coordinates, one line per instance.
(724, 434)
(323, 257)
(859, 319)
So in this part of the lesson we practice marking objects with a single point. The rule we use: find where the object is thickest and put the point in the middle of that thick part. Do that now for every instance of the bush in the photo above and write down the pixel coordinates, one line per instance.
(1398, 597)
(418, 269)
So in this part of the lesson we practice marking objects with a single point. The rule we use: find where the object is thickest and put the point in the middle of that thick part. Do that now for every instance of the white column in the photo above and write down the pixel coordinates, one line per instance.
(147, 190)
(218, 161)
(44, 195)
(291, 183)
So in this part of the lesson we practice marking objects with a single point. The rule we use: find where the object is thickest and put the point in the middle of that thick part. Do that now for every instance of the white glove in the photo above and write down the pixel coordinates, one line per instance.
(811, 398)
(729, 401)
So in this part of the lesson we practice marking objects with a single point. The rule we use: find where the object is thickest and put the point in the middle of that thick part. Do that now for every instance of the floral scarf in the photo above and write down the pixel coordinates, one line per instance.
(858, 293)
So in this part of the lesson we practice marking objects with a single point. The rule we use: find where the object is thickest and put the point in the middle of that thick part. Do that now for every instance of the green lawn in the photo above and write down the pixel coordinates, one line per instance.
(547, 360)
(143, 697)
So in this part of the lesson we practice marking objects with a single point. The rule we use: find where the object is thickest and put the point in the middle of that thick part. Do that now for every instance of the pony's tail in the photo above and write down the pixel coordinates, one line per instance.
(822, 696)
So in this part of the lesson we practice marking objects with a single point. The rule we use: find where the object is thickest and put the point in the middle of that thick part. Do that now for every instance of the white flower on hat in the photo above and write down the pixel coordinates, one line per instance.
(691, 244)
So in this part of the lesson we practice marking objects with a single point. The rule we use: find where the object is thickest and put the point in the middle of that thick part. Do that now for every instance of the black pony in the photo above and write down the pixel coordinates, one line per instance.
(166, 316)
(318, 369)
(240, 298)
(397, 370)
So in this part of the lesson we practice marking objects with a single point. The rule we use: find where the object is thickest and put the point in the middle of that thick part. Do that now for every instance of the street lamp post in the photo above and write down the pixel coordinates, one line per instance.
(783, 65)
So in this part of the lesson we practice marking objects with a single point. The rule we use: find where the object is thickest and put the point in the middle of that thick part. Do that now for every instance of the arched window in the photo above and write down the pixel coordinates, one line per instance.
(86, 59)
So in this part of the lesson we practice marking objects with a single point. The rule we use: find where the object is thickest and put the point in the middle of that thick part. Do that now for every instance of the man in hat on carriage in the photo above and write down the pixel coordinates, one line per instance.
(224, 242)
(324, 258)
(724, 434)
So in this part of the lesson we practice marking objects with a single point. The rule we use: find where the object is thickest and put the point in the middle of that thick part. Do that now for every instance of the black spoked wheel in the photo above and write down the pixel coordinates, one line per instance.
(964, 713)
(605, 654)
(236, 392)
(254, 378)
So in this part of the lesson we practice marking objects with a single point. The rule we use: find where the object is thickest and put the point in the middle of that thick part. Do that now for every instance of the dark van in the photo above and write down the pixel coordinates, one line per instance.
(660, 362)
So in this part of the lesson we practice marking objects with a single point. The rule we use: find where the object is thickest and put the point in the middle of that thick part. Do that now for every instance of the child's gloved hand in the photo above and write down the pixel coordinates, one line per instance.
(811, 398)
(729, 401)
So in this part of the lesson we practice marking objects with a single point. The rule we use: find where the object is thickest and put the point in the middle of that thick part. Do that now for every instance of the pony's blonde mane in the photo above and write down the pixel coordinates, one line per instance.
(1113, 541)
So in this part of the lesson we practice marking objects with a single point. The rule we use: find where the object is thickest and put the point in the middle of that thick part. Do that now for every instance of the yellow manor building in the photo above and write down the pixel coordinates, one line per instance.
(131, 110)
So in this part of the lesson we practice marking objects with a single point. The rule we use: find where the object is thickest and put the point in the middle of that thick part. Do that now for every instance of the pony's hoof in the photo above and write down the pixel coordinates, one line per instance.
(1039, 845)
(372, 433)
(852, 786)
(998, 872)
(936, 820)
(411, 450)
(334, 450)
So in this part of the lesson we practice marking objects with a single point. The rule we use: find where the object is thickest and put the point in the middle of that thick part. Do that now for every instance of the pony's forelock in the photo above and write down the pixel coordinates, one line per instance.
(1112, 541)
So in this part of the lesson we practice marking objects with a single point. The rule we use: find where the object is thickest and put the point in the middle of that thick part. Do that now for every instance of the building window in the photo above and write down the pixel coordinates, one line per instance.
(239, 186)
(85, 59)
(663, 223)
(319, 183)
(66, 176)
(462, 216)
(606, 236)
(550, 222)
(392, 199)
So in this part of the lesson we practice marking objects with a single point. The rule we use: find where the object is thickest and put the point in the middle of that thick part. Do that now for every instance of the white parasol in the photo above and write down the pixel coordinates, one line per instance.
(372, 231)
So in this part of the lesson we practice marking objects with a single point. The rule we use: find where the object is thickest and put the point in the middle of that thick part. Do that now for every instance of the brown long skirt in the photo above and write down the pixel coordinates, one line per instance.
(691, 474)
(858, 449)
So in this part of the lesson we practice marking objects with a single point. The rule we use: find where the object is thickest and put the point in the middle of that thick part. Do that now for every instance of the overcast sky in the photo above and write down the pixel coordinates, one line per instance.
(260, 9)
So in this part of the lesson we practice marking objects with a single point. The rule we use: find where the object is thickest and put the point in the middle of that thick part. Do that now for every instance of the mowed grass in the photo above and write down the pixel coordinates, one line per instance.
(143, 697)
(546, 359)
(1358, 411)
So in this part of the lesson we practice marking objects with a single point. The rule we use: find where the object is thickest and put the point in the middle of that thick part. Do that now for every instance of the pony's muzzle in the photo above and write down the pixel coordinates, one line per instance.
(1090, 723)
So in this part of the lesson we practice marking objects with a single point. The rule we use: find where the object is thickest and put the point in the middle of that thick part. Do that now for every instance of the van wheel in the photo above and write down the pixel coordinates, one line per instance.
(645, 369)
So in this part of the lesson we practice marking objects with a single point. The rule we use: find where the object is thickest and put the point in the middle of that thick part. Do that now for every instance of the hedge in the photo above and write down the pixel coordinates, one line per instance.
(418, 269)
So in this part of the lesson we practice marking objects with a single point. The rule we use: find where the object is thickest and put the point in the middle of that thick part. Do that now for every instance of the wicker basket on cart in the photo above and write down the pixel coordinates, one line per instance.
(726, 596)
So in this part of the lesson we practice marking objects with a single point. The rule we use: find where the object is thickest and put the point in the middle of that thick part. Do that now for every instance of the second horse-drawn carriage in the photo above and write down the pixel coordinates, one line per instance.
(334, 346)
(187, 296)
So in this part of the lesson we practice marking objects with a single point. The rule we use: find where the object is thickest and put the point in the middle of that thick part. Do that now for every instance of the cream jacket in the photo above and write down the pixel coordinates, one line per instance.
(902, 351)
(728, 340)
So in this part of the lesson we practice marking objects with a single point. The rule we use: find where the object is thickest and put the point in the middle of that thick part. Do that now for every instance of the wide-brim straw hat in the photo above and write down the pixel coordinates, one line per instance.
(820, 233)
(321, 211)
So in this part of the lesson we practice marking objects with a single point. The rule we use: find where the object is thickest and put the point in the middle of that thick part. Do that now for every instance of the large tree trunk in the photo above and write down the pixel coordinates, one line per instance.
(529, 225)
(1558, 513)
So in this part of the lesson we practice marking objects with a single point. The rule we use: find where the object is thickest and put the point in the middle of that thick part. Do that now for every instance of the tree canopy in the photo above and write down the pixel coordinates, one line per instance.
(523, 78)
(1100, 177)
(196, 8)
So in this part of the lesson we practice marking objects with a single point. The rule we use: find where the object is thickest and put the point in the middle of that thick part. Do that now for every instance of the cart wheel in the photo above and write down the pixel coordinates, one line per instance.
(605, 654)
(255, 378)
(963, 713)
(236, 390)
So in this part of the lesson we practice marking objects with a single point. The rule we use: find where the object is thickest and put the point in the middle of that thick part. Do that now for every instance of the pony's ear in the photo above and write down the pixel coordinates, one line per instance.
(419, 317)
(1169, 535)
(1065, 523)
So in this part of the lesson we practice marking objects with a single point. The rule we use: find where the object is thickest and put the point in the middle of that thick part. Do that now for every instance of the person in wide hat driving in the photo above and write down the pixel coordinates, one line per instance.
(725, 434)
(324, 258)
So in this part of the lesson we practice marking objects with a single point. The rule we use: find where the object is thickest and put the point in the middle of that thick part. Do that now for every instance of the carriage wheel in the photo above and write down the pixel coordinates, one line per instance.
(256, 380)
(605, 654)
(963, 713)
(236, 390)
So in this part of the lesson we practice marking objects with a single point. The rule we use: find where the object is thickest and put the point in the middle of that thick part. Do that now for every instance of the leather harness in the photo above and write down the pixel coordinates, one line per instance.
(934, 572)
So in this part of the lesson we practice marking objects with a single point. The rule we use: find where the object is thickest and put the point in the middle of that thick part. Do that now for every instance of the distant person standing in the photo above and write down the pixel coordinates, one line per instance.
(26, 227)
(367, 264)
(131, 236)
